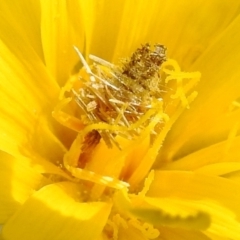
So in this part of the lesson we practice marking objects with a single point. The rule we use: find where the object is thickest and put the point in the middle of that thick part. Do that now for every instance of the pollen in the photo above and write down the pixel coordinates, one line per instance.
(121, 95)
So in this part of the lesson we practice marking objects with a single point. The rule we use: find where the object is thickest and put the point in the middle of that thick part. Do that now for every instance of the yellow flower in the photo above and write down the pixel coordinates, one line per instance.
(172, 173)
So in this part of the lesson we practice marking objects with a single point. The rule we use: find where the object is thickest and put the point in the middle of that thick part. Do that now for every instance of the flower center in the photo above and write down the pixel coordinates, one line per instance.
(121, 116)
(120, 96)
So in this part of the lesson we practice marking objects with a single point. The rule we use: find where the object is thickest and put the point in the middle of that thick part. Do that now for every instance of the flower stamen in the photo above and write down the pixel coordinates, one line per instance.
(121, 108)
(121, 96)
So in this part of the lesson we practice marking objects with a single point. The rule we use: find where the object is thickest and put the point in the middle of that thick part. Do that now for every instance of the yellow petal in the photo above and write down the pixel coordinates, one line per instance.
(181, 234)
(181, 26)
(18, 182)
(235, 176)
(24, 19)
(106, 24)
(57, 214)
(28, 95)
(215, 237)
(223, 152)
(209, 120)
(61, 28)
(217, 196)
(219, 168)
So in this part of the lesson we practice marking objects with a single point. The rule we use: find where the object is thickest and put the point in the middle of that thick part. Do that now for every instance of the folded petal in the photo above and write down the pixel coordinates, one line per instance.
(57, 214)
